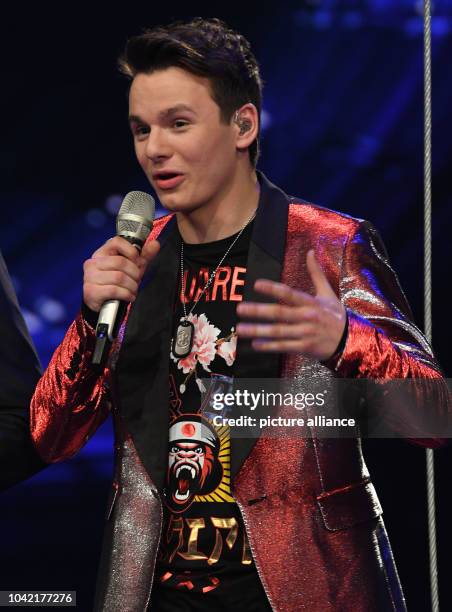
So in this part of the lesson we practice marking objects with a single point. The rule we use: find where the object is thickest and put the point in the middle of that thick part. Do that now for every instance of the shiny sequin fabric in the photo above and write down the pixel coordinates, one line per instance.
(311, 512)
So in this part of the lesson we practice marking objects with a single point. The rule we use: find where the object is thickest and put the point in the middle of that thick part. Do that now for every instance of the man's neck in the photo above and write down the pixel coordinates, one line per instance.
(222, 218)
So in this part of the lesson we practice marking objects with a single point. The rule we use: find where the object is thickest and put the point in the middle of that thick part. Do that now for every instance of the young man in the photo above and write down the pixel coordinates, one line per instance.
(199, 520)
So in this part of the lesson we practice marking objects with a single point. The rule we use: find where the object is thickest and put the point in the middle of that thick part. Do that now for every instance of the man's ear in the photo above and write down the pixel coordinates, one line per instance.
(246, 120)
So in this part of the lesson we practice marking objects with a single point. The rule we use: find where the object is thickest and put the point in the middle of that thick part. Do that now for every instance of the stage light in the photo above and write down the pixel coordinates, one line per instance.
(113, 203)
(33, 322)
(50, 310)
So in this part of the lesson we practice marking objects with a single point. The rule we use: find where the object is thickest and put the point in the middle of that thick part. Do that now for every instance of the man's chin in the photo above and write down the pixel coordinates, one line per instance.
(174, 206)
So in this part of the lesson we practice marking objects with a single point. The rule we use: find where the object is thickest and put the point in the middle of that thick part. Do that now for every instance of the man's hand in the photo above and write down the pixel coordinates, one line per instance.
(114, 271)
(300, 322)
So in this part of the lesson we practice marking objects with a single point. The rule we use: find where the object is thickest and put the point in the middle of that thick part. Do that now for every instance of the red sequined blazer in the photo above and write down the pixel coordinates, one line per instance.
(311, 512)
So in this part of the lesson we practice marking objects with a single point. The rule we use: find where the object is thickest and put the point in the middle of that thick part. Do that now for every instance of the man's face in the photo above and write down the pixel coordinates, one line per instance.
(187, 153)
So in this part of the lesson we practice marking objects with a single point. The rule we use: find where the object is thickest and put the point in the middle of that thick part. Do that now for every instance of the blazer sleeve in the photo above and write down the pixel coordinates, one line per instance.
(383, 343)
(71, 400)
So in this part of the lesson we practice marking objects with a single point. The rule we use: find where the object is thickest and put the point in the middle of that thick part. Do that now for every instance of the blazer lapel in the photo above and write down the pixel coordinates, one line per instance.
(143, 363)
(265, 260)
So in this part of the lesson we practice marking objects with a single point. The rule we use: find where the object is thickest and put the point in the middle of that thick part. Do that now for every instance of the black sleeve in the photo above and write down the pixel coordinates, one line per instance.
(19, 372)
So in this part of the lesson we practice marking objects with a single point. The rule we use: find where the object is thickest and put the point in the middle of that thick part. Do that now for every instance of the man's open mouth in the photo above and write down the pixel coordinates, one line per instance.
(168, 180)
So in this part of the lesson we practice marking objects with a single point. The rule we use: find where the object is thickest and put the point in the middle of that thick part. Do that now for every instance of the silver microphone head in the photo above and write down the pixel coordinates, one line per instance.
(136, 216)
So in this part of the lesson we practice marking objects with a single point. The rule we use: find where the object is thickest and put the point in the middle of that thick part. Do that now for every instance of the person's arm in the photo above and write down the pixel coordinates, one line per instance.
(363, 330)
(382, 342)
(72, 398)
(19, 372)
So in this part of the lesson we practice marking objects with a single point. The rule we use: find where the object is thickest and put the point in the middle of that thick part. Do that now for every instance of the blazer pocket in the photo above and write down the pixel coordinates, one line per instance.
(111, 500)
(348, 506)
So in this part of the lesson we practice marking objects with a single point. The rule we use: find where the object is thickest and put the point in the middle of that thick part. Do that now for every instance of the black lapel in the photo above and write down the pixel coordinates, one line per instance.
(265, 260)
(143, 364)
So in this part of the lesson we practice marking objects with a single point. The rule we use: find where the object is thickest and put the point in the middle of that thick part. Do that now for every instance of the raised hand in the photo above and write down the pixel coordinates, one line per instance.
(312, 325)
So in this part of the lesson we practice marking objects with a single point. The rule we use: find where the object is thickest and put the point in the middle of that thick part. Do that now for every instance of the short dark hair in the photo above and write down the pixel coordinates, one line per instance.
(207, 48)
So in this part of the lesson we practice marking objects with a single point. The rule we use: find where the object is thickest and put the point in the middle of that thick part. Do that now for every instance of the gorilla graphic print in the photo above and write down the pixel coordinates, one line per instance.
(193, 465)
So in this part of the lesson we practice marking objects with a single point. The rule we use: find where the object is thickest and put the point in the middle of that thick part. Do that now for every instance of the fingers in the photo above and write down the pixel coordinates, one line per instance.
(113, 276)
(117, 246)
(281, 346)
(110, 278)
(294, 297)
(275, 330)
(113, 263)
(287, 321)
(150, 250)
(95, 295)
(320, 281)
(275, 312)
(299, 322)
(115, 271)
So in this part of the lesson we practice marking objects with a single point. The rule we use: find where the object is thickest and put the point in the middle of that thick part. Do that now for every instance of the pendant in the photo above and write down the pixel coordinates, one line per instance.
(183, 342)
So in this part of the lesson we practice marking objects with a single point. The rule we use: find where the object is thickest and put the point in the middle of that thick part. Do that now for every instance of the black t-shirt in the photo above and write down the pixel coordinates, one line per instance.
(204, 557)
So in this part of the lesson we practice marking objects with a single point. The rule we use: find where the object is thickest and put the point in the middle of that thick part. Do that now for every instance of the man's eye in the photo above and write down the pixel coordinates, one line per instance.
(180, 123)
(140, 130)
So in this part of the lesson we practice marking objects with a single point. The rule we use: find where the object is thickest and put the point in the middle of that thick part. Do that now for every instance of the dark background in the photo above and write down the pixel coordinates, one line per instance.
(343, 127)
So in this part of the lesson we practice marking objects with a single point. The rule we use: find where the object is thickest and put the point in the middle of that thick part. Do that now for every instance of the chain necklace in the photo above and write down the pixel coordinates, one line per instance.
(183, 341)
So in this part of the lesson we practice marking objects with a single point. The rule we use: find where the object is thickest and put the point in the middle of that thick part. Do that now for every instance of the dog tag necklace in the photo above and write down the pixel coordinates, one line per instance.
(185, 333)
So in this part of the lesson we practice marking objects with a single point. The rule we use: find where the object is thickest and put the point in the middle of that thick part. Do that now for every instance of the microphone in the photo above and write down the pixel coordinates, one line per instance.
(134, 223)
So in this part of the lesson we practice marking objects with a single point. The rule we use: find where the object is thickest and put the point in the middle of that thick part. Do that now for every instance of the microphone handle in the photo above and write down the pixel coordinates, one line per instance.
(110, 318)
